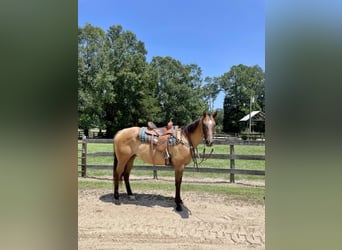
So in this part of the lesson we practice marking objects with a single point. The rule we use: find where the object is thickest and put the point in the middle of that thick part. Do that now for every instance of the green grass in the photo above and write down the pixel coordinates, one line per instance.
(244, 193)
(248, 194)
(210, 163)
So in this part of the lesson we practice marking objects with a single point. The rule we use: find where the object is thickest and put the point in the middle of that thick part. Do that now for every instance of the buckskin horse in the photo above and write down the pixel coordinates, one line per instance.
(181, 143)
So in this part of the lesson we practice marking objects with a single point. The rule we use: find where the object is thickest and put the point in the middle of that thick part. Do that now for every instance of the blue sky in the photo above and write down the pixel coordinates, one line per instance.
(215, 34)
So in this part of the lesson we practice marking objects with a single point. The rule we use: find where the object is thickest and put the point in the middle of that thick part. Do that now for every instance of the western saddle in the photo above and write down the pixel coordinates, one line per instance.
(163, 135)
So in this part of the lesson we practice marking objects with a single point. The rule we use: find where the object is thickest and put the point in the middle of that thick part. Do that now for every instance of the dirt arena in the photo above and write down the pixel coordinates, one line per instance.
(208, 221)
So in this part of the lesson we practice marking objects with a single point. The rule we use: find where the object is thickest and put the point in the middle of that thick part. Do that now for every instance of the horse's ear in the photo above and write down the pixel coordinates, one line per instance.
(215, 114)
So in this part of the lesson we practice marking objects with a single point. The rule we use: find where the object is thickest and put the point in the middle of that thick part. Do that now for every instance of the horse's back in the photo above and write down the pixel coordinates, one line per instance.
(126, 138)
(127, 135)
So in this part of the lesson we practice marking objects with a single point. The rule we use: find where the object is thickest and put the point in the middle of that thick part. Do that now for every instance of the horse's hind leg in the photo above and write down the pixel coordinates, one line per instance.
(119, 166)
(126, 174)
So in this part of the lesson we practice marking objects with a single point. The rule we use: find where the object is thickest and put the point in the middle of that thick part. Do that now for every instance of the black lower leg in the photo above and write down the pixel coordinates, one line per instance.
(178, 199)
(128, 186)
(116, 186)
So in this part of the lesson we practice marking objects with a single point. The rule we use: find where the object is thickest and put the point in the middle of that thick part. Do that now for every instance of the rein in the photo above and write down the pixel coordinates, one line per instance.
(203, 153)
(194, 151)
(194, 158)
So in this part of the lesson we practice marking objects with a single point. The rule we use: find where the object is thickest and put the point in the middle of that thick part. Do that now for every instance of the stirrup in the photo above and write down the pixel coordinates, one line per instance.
(167, 155)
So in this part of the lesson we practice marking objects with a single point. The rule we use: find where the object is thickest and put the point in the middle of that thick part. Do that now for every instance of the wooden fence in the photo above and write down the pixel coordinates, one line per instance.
(231, 157)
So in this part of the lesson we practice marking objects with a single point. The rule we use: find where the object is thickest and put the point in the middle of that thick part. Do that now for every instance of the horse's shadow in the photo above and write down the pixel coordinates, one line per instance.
(147, 200)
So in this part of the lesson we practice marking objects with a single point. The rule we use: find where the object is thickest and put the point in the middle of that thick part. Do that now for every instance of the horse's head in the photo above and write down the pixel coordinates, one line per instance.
(208, 127)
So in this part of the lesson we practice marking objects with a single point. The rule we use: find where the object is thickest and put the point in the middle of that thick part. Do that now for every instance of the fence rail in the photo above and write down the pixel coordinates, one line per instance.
(231, 157)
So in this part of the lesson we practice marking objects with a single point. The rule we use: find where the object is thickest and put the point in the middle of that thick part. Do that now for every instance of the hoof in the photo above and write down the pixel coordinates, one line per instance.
(116, 200)
(179, 208)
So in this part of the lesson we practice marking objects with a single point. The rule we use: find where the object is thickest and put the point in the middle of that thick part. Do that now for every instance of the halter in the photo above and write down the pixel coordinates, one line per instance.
(205, 135)
(192, 148)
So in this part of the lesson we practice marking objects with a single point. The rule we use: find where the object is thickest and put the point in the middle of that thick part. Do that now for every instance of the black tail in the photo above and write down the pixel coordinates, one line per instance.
(115, 166)
(115, 163)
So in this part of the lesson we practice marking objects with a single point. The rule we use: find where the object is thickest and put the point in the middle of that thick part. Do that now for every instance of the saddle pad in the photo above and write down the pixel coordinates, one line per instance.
(147, 138)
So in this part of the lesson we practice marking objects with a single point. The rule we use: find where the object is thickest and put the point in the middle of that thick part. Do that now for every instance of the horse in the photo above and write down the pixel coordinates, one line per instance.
(128, 146)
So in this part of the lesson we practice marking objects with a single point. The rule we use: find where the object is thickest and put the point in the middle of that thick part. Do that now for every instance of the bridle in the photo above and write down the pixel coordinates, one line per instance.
(193, 150)
(205, 135)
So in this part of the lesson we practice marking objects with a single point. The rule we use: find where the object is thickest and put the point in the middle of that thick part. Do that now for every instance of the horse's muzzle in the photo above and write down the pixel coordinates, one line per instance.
(209, 142)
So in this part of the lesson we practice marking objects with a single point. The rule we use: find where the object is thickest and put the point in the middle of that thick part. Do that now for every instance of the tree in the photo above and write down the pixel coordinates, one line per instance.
(241, 84)
(178, 90)
(90, 60)
(211, 90)
(219, 120)
(117, 87)
(129, 80)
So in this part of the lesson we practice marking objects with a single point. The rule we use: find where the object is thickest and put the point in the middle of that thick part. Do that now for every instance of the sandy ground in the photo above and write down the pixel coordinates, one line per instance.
(208, 221)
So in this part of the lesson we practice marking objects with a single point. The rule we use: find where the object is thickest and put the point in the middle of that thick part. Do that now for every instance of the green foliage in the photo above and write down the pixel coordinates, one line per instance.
(118, 88)
(178, 90)
(210, 92)
(127, 64)
(90, 59)
(219, 121)
(241, 84)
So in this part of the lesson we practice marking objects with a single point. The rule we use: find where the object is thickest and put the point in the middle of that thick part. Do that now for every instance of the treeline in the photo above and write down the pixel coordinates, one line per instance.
(118, 88)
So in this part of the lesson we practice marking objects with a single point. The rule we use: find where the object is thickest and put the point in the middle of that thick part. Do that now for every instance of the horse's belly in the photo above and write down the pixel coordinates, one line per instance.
(150, 156)
(158, 158)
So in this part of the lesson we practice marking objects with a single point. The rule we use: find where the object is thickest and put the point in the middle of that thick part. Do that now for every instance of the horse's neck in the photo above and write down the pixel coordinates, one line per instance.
(196, 136)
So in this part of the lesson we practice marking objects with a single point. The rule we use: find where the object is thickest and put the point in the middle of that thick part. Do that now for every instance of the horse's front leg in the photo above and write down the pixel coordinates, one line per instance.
(178, 182)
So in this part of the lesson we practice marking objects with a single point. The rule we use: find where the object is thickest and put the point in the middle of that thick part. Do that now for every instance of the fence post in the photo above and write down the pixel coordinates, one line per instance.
(155, 173)
(84, 156)
(232, 163)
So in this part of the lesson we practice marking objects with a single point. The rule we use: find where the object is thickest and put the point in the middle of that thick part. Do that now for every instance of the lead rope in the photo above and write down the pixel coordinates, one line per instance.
(203, 155)
(194, 158)
(193, 153)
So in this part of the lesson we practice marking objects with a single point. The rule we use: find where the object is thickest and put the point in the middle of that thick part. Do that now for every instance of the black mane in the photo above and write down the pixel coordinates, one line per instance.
(190, 128)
